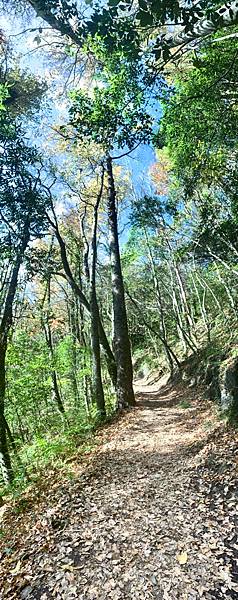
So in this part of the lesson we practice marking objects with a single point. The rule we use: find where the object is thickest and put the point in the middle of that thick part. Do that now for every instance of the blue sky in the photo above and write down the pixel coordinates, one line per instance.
(37, 61)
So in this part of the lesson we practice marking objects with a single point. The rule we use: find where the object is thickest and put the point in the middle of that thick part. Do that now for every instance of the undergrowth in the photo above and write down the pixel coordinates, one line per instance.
(54, 450)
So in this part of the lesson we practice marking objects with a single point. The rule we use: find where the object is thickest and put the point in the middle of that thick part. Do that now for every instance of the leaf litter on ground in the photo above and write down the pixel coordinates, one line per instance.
(151, 512)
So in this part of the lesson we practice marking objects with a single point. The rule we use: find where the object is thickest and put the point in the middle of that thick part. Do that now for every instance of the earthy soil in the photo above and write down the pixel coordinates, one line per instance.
(151, 514)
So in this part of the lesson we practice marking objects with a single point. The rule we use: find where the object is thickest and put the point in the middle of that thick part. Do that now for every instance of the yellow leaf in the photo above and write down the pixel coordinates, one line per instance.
(16, 569)
(182, 558)
(67, 567)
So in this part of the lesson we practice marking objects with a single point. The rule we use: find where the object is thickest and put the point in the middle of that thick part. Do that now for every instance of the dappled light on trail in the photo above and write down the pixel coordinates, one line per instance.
(136, 522)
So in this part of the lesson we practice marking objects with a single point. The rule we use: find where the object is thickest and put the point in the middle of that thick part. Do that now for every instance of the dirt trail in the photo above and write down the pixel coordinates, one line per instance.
(140, 522)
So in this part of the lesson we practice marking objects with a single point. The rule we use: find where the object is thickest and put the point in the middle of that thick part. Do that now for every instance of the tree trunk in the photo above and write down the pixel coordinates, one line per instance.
(226, 287)
(98, 394)
(154, 331)
(186, 312)
(5, 461)
(182, 334)
(5, 325)
(121, 346)
(184, 302)
(49, 341)
(45, 11)
(95, 340)
(160, 305)
(202, 306)
(81, 335)
(225, 16)
(111, 364)
(73, 325)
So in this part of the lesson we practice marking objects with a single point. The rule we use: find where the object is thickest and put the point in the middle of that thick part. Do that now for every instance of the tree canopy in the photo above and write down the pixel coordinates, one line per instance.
(118, 180)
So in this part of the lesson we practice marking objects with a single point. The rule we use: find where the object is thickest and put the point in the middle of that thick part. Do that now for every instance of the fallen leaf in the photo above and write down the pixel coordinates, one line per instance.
(67, 567)
(17, 568)
(182, 558)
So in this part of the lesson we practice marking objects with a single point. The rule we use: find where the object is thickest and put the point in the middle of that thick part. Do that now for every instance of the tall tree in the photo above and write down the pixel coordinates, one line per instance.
(79, 293)
(94, 310)
(114, 117)
(22, 209)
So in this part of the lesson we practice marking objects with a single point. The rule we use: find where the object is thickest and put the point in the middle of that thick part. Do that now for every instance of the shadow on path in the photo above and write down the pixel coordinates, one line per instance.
(165, 397)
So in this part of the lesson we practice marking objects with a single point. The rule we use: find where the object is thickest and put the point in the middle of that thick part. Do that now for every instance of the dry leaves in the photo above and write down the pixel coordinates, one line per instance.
(152, 516)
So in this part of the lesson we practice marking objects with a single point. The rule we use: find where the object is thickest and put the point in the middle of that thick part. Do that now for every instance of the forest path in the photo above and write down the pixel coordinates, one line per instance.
(141, 521)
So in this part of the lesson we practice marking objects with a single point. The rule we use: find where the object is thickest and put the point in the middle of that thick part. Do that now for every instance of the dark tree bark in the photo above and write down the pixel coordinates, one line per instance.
(49, 341)
(5, 461)
(73, 325)
(86, 246)
(5, 325)
(59, 23)
(121, 346)
(111, 364)
(81, 334)
(95, 340)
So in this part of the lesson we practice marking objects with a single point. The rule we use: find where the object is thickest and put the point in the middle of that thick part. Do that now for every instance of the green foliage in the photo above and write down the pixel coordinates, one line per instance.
(21, 93)
(152, 211)
(120, 23)
(24, 92)
(30, 406)
(185, 404)
(114, 114)
(205, 256)
(4, 95)
(23, 203)
(123, 25)
(150, 12)
(180, 260)
(49, 453)
(43, 452)
(199, 125)
(29, 384)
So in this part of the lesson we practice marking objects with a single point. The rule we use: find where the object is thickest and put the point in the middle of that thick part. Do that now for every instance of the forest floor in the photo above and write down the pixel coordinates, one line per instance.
(150, 513)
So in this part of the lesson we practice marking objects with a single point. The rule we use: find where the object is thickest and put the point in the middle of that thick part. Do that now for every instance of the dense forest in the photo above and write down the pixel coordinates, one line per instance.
(118, 260)
(118, 176)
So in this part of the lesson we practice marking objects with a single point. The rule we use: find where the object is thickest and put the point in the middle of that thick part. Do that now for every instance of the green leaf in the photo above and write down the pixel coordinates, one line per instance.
(143, 5)
(145, 18)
